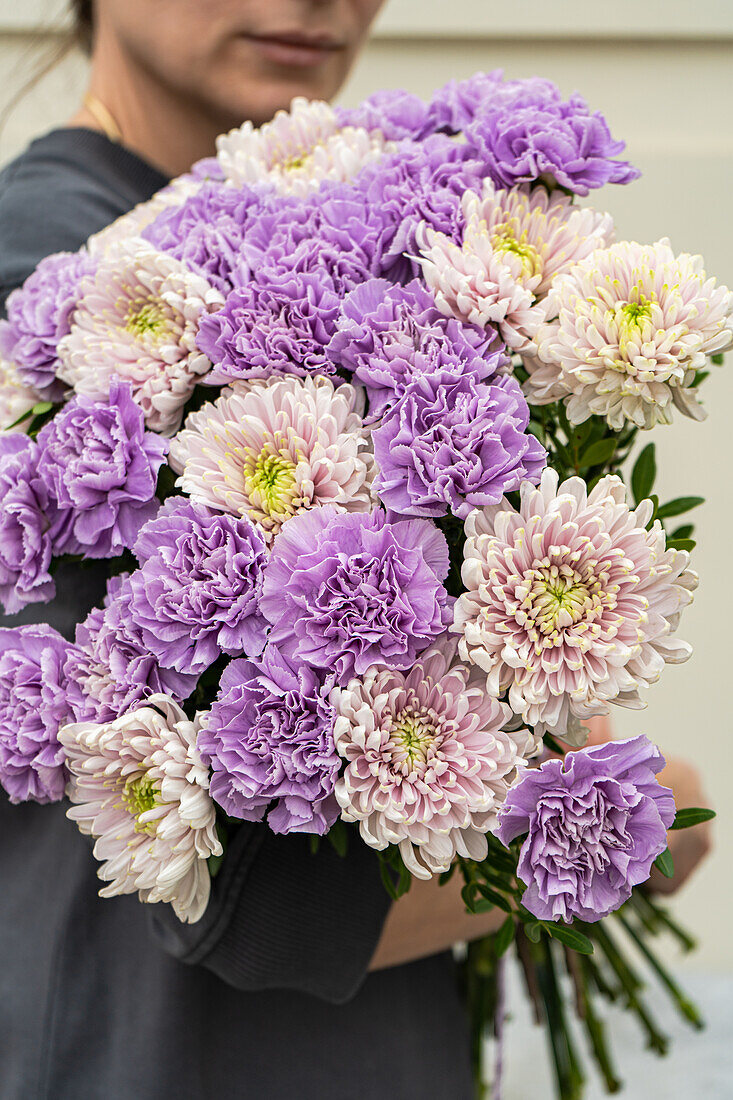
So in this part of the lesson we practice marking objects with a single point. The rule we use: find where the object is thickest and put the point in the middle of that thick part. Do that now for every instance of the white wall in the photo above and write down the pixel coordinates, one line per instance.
(662, 71)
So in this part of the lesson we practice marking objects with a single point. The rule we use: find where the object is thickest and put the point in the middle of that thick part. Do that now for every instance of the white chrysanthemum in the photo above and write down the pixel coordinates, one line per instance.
(297, 150)
(137, 318)
(571, 602)
(139, 786)
(515, 243)
(16, 398)
(428, 759)
(634, 325)
(270, 449)
(142, 215)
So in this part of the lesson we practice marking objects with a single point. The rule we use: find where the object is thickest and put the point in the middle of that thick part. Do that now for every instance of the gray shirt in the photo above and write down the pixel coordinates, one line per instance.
(268, 996)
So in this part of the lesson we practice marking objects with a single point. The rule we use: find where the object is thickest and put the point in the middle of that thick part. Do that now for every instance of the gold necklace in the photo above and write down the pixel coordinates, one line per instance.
(103, 117)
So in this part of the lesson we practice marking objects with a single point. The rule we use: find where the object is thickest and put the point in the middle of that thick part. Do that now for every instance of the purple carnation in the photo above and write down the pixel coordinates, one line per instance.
(25, 519)
(111, 670)
(344, 591)
(195, 594)
(397, 113)
(100, 467)
(528, 132)
(38, 317)
(389, 334)
(595, 822)
(33, 707)
(269, 742)
(421, 182)
(277, 325)
(304, 257)
(453, 444)
(454, 106)
(207, 232)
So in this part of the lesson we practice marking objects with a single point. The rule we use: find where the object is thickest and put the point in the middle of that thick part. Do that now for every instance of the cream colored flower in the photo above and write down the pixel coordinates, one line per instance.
(515, 243)
(428, 759)
(15, 397)
(138, 786)
(270, 449)
(634, 323)
(137, 318)
(570, 602)
(297, 150)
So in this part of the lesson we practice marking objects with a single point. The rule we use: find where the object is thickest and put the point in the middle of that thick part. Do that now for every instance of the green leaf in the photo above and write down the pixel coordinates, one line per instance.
(338, 837)
(533, 931)
(504, 937)
(665, 864)
(599, 453)
(644, 473)
(683, 532)
(494, 897)
(718, 359)
(387, 880)
(468, 893)
(679, 505)
(41, 408)
(693, 815)
(681, 544)
(214, 864)
(569, 936)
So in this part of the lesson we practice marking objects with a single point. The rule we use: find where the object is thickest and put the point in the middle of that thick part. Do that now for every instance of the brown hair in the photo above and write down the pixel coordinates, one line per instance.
(83, 25)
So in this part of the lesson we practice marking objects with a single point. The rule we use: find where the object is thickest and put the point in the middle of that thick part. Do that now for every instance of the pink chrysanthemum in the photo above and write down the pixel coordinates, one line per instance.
(16, 398)
(634, 325)
(270, 449)
(139, 786)
(137, 318)
(428, 759)
(515, 243)
(298, 150)
(570, 602)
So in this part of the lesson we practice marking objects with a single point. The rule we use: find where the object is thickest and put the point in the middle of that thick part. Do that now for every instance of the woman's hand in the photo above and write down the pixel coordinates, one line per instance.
(427, 919)
(688, 847)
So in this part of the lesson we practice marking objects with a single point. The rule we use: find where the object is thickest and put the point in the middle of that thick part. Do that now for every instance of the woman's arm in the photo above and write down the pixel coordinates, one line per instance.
(428, 919)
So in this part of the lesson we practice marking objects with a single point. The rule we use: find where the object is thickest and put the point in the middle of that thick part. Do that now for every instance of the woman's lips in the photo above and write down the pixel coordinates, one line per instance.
(294, 50)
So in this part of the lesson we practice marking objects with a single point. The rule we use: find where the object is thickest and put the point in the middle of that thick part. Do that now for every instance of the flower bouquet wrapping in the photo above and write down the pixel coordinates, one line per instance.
(349, 411)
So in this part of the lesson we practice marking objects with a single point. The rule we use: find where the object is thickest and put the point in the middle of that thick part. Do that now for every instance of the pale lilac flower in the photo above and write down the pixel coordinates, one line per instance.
(111, 670)
(137, 318)
(595, 823)
(390, 335)
(452, 444)
(195, 595)
(298, 150)
(38, 318)
(268, 739)
(428, 759)
(570, 602)
(268, 450)
(33, 706)
(343, 591)
(634, 325)
(100, 467)
(140, 788)
(514, 245)
(26, 515)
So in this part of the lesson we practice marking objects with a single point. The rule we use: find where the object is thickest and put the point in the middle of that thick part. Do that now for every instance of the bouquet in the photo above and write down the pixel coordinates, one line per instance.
(352, 412)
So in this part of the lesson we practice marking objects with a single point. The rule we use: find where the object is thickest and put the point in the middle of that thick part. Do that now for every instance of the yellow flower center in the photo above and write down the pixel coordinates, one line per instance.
(559, 597)
(269, 483)
(146, 318)
(413, 734)
(139, 797)
(507, 241)
(298, 161)
(632, 318)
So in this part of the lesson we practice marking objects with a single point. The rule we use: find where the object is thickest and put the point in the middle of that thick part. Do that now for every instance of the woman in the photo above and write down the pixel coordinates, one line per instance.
(270, 995)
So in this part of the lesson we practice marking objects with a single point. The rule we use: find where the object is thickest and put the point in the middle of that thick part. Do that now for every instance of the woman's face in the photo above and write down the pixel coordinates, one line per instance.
(240, 59)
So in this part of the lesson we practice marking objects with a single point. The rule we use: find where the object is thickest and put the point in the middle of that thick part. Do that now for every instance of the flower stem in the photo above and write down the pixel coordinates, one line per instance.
(631, 985)
(686, 1008)
(595, 1029)
(568, 1074)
